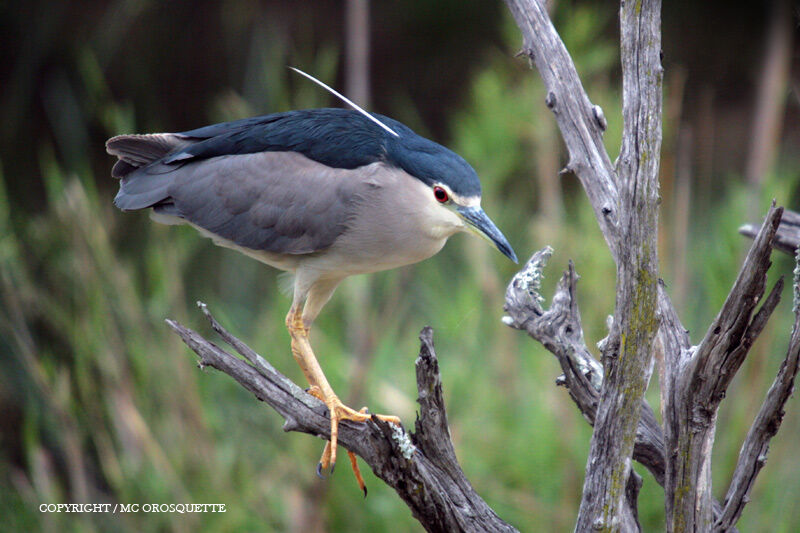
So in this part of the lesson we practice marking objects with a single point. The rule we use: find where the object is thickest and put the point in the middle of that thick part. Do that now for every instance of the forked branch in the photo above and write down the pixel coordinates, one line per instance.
(624, 197)
(694, 379)
(753, 454)
(560, 331)
(421, 467)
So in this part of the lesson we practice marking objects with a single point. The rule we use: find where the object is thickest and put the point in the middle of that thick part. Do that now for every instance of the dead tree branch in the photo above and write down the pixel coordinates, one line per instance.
(559, 330)
(787, 238)
(690, 413)
(754, 450)
(694, 410)
(697, 381)
(581, 123)
(421, 467)
(627, 357)
(624, 198)
(694, 378)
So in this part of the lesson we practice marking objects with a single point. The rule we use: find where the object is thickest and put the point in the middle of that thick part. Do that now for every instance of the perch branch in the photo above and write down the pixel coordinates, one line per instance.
(421, 467)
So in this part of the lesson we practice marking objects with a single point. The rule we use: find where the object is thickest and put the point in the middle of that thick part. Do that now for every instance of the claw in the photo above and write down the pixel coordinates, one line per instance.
(357, 472)
(324, 461)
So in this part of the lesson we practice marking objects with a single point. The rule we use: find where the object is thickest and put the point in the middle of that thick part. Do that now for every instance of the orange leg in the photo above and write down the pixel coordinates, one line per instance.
(320, 388)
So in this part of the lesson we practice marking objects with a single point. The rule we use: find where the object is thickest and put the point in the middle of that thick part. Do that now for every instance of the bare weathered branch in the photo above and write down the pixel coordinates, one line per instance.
(694, 379)
(559, 330)
(713, 364)
(252, 357)
(698, 383)
(422, 468)
(625, 204)
(574, 112)
(628, 356)
(787, 238)
(753, 454)
(674, 336)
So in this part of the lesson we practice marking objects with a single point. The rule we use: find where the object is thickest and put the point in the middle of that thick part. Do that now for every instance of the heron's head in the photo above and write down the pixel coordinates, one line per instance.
(452, 183)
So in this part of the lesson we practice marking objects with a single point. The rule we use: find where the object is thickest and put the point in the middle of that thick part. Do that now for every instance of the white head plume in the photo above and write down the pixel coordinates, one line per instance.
(346, 100)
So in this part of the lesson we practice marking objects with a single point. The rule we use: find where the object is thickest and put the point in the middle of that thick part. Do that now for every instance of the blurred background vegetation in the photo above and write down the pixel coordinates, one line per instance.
(101, 403)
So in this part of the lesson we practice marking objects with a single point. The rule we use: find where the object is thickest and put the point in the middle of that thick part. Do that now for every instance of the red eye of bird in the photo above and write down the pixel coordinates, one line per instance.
(440, 195)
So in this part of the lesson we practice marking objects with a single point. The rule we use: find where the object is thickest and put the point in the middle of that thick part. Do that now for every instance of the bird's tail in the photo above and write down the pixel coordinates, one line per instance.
(135, 151)
(144, 180)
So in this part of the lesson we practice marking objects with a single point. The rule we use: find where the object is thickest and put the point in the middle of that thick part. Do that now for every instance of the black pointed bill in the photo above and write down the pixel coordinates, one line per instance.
(482, 225)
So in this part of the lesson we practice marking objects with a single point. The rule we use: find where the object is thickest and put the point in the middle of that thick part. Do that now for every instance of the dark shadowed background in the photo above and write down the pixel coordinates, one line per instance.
(101, 403)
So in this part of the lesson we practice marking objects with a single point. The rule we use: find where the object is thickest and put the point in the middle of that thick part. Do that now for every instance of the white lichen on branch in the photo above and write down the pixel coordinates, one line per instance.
(403, 441)
(527, 283)
(532, 275)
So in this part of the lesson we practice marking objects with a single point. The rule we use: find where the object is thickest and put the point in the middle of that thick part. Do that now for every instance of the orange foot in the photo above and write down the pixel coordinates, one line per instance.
(340, 411)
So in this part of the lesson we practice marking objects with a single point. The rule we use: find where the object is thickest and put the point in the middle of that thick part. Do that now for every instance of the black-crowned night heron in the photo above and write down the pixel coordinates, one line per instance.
(320, 193)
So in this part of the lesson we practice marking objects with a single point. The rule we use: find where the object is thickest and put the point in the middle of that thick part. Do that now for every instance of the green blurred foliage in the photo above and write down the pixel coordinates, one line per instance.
(104, 403)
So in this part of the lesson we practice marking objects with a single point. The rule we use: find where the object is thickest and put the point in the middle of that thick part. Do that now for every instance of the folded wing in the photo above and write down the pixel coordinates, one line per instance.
(280, 202)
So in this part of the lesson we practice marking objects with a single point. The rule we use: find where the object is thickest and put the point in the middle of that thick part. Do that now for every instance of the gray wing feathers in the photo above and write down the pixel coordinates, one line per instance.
(144, 187)
(280, 202)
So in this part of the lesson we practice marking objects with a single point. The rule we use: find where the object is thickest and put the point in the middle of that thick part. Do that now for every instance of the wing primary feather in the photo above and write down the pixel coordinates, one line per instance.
(346, 100)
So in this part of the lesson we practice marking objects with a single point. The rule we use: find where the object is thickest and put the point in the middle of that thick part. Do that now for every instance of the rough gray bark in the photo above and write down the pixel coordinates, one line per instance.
(788, 236)
(624, 198)
(694, 378)
(691, 406)
(697, 380)
(421, 467)
(627, 357)
(581, 123)
(753, 454)
(559, 330)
